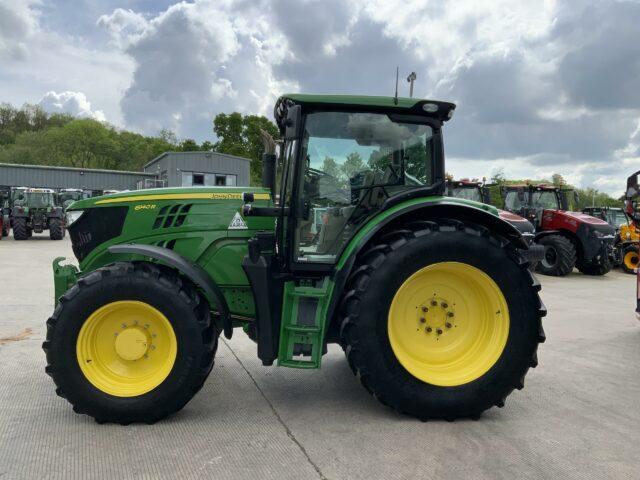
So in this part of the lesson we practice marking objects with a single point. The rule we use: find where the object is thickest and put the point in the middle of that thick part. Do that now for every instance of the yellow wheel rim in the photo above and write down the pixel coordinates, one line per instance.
(126, 348)
(631, 260)
(448, 324)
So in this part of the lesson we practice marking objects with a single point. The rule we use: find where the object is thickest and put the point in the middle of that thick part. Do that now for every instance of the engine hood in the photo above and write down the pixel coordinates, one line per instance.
(232, 194)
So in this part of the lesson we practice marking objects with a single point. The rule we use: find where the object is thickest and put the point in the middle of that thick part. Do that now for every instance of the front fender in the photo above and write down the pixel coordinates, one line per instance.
(193, 272)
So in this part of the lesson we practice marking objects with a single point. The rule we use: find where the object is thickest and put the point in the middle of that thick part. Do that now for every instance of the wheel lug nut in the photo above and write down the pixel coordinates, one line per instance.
(450, 314)
(423, 320)
(444, 305)
(448, 325)
(439, 331)
(434, 303)
(425, 309)
(428, 329)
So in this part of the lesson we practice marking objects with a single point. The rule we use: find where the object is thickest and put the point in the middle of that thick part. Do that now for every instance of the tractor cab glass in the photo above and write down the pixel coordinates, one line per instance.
(351, 162)
(37, 199)
(616, 218)
(467, 193)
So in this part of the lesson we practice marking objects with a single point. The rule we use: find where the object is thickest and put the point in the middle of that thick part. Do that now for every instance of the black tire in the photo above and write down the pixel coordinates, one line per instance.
(376, 277)
(560, 256)
(5, 229)
(631, 250)
(597, 269)
(20, 230)
(56, 229)
(188, 313)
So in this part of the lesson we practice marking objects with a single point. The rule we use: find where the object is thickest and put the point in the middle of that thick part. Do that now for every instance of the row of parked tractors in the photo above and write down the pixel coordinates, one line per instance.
(593, 241)
(34, 210)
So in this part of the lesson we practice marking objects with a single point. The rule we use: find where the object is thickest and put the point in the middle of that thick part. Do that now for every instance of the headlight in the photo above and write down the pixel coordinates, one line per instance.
(628, 235)
(73, 216)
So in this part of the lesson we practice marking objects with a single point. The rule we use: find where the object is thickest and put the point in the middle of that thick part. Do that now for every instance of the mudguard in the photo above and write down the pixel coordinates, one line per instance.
(192, 271)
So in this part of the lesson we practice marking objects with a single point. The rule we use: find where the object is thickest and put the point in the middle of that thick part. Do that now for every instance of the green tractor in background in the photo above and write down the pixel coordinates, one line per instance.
(350, 241)
(36, 210)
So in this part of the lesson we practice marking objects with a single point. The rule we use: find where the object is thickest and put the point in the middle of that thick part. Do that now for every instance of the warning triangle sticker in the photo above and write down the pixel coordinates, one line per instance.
(237, 223)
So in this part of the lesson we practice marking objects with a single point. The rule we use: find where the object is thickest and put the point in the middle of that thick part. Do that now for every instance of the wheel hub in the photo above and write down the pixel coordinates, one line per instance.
(436, 317)
(131, 344)
(448, 323)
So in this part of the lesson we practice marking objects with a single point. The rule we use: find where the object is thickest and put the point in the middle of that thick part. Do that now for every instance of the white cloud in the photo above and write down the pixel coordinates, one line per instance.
(123, 25)
(74, 103)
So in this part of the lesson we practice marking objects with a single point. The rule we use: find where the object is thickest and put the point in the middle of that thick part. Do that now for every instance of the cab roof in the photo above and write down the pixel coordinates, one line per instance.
(442, 111)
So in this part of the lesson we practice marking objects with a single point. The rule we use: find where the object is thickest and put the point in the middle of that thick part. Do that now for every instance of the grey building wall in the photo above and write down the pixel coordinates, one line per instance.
(63, 177)
(175, 165)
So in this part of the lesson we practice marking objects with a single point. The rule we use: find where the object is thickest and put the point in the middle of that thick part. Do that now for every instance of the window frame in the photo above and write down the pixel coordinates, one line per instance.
(288, 236)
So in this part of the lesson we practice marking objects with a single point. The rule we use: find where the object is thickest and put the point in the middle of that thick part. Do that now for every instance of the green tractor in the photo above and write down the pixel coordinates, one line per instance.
(349, 241)
(36, 210)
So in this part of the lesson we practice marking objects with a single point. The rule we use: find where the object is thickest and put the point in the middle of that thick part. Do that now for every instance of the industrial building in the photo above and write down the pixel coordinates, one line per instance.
(187, 169)
(171, 169)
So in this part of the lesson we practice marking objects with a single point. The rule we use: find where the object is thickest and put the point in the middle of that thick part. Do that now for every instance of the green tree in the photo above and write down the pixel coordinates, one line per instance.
(240, 135)
(330, 167)
(352, 165)
(188, 145)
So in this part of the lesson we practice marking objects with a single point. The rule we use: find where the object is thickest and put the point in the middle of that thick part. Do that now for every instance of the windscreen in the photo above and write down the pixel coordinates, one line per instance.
(36, 200)
(468, 193)
(353, 162)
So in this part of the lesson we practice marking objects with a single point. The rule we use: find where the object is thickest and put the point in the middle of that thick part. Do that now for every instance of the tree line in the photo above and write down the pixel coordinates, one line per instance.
(29, 135)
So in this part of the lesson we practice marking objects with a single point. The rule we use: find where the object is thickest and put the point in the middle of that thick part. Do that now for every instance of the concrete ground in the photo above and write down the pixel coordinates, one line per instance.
(578, 417)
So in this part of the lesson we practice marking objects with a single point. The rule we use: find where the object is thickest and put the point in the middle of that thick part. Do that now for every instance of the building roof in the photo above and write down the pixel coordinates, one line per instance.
(205, 152)
(75, 169)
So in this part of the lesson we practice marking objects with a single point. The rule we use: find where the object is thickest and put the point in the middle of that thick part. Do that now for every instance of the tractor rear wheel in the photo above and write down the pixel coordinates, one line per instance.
(559, 256)
(20, 230)
(630, 258)
(56, 229)
(130, 342)
(5, 229)
(441, 319)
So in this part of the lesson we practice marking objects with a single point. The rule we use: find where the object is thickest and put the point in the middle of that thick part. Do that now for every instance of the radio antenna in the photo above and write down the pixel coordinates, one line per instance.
(395, 98)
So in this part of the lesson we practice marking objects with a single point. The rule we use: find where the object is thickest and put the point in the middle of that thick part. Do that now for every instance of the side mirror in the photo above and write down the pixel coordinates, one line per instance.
(293, 122)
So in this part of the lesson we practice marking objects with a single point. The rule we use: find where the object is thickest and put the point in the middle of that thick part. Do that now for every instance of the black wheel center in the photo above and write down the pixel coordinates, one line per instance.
(550, 256)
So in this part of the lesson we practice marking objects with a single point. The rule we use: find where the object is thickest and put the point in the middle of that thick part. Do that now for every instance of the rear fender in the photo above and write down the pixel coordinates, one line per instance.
(192, 271)
(410, 211)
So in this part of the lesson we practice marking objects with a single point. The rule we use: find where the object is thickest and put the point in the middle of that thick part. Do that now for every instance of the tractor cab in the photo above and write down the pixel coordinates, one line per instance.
(67, 196)
(530, 201)
(479, 192)
(468, 189)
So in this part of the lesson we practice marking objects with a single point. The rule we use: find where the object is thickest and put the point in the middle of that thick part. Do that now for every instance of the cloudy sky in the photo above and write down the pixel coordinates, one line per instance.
(541, 86)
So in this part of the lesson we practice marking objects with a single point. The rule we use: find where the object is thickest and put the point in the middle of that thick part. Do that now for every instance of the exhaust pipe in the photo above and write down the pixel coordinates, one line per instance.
(269, 163)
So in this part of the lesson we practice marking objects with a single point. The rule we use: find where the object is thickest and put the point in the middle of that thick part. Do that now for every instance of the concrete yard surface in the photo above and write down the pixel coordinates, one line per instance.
(577, 417)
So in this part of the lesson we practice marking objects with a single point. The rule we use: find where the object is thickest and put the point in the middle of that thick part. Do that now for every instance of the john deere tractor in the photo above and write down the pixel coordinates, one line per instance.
(35, 210)
(349, 241)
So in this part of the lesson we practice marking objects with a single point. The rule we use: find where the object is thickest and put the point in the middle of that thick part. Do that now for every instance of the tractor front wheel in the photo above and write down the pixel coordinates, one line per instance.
(130, 342)
(630, 258)
(559, 256)
(441, 319)
(56, 229)
(20, 229)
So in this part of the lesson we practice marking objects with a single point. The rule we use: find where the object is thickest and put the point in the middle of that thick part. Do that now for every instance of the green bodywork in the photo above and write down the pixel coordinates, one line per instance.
(205, 239)
(204, 235)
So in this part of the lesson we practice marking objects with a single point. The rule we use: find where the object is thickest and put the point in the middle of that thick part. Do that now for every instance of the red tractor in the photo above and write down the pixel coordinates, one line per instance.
(479, 192)
(570, 239)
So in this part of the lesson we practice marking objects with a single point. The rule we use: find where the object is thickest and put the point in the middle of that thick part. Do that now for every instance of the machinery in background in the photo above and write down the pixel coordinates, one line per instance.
(36, 210)
(570, 239)
(627, 237)
(632, 209)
